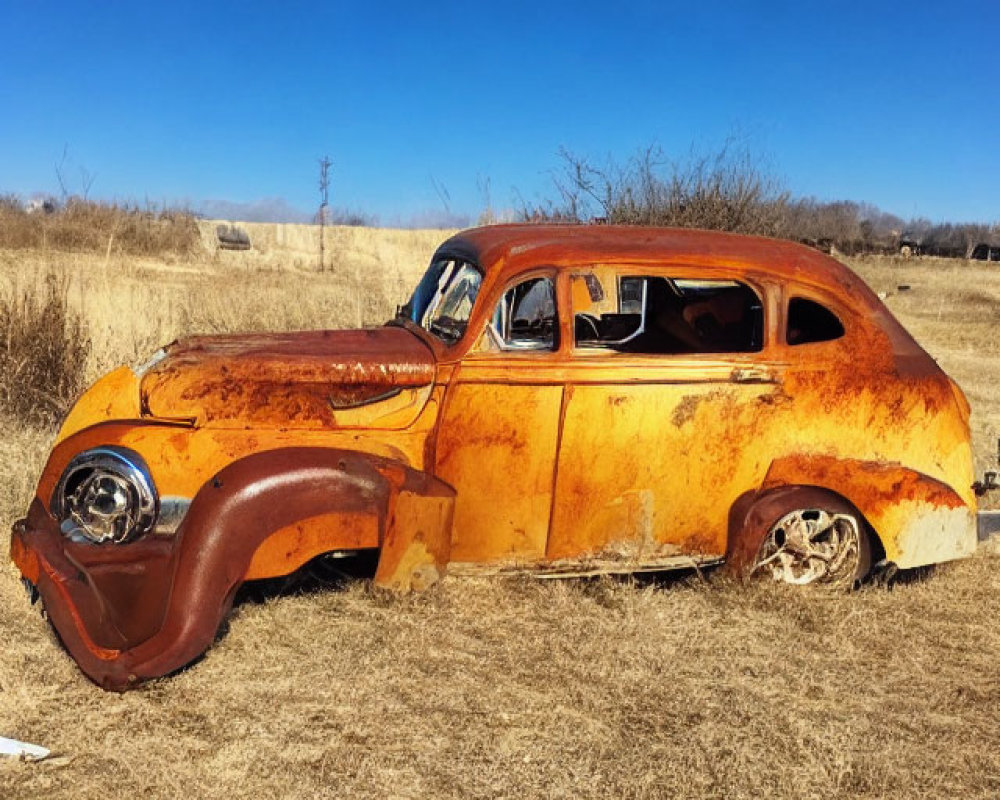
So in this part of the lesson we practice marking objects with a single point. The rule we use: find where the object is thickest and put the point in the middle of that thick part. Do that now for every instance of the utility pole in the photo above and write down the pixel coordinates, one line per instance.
(324, 195)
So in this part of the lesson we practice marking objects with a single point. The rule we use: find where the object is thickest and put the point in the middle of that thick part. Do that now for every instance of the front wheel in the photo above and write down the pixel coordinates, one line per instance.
(827, 545)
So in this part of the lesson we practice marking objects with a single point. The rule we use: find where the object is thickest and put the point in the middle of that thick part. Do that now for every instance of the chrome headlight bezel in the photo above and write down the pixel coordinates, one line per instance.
(105, 495)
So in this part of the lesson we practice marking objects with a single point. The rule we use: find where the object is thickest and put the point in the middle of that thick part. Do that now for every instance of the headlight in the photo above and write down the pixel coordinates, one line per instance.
(105, 495)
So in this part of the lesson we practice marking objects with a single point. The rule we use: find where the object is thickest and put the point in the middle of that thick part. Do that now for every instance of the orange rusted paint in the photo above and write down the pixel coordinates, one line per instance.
(895, 500)
(417, 546)
(288, 548)
(492, 455)
(115, 396)
(301, 380)
(497, 441)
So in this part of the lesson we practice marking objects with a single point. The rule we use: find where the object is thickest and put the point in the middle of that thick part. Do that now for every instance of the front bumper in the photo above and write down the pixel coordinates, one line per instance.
(101, 600)
(23, 557)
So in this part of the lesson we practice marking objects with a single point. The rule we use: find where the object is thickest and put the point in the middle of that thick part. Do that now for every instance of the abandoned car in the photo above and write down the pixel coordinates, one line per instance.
(567, 400)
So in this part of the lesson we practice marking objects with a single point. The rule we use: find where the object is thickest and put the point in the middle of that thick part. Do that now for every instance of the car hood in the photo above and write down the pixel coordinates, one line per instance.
(309, 379)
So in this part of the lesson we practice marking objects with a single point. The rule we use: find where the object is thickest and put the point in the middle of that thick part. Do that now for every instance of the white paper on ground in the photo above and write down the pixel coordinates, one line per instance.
(29, 752)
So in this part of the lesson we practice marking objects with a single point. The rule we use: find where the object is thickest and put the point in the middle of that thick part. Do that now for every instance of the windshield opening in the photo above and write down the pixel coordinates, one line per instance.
(443, 300)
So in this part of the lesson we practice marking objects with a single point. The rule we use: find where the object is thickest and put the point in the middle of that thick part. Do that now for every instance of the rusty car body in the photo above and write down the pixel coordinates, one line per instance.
(566, 400)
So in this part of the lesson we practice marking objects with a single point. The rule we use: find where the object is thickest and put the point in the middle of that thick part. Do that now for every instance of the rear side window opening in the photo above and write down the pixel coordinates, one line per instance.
(809, 322)
(667, 316)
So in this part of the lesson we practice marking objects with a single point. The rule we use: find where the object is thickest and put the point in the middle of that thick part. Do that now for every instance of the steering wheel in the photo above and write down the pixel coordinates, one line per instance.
(588, 320)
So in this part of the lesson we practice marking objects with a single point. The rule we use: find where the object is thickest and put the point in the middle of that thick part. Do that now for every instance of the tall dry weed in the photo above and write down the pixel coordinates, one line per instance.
(43, 352)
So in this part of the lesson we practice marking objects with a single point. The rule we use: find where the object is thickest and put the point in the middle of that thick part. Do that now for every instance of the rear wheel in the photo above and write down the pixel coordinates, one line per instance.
(826, 544)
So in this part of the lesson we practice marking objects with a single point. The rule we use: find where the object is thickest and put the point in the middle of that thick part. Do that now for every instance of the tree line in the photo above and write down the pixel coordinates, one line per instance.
(731, 191)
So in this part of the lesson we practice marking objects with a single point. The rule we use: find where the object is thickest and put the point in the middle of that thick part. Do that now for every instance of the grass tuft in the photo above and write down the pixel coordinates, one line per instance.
(43, 352)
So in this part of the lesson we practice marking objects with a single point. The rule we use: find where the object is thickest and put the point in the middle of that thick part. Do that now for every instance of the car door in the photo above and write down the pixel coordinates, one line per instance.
(671, 387)
(498, 432)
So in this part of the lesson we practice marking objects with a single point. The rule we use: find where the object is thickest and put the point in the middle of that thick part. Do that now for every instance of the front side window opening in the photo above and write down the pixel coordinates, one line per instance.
(660, 315)
(525, 318)
(443, 300)
(808, 322)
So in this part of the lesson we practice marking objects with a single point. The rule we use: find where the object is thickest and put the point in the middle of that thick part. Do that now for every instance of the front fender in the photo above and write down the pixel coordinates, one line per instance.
(129, 617)
(113, 397)
(919, 519)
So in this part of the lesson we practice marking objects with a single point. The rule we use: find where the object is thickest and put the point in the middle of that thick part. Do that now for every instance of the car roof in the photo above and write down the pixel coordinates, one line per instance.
(508, 249)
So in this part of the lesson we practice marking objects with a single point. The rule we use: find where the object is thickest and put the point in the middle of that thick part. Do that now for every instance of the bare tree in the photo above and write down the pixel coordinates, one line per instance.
(87, 179)
(61, 176)
(443, 195)
(324, 195)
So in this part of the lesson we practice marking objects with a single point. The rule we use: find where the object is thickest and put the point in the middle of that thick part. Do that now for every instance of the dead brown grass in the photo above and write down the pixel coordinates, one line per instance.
(83, 226)
(516, 688)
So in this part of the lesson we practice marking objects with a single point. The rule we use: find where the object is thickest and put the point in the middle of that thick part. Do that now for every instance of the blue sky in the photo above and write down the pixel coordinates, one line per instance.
(422, 105)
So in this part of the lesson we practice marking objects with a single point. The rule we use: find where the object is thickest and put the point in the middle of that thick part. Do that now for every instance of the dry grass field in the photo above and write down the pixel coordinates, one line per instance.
(668, 687)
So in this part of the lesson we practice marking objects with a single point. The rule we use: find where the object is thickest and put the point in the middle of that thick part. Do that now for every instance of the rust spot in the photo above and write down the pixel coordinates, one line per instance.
(776, 398)
(685, 410)
(294, 379)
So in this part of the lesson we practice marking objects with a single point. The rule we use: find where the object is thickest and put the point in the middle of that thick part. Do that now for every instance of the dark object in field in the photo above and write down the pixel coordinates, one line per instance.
(985, 252)
(232, 237)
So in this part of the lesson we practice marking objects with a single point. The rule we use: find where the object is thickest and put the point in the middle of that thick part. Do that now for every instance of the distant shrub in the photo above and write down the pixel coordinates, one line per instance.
(726, 191)
(345, 217)
(10, 203)
(85, 226)
(43, 353)
(730, 191)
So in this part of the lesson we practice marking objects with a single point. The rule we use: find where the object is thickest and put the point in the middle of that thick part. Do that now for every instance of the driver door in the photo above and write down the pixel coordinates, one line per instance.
(498, 431)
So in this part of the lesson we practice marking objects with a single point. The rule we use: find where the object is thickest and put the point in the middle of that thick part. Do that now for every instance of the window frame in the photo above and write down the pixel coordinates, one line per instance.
(484, 344)
(767, 292)
(826, 306)
(448, 276)
(502, 342)
(849, 317)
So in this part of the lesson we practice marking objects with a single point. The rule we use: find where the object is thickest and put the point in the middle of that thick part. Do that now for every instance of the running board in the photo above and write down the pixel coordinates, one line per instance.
(582, 568)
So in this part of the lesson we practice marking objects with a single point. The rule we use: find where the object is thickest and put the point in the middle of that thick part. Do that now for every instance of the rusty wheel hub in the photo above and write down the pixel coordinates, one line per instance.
(811, 546)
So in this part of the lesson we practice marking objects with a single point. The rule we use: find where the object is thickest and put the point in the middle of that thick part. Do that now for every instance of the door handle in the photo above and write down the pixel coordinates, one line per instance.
(752, 375)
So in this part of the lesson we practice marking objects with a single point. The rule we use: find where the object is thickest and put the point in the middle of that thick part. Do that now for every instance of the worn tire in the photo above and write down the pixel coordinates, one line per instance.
(802, 535)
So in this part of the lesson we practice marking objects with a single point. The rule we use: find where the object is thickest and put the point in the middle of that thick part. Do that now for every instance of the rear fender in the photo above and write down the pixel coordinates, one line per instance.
(919, 520)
